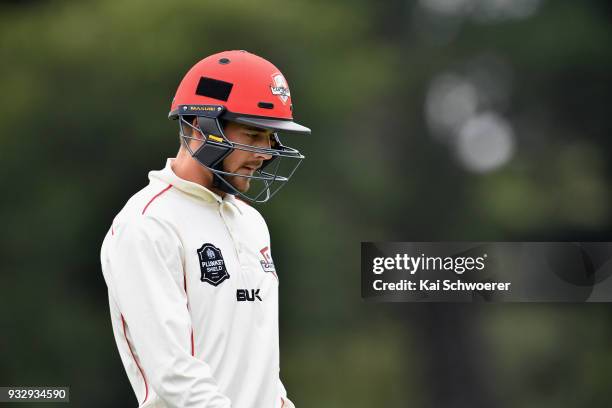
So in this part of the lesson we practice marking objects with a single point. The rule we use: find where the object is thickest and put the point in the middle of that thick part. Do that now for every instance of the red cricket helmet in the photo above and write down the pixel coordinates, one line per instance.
(241, 87)
(251, 89)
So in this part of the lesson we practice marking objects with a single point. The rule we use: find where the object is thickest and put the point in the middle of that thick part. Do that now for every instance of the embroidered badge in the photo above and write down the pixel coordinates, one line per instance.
(267, 264)
(212, 265)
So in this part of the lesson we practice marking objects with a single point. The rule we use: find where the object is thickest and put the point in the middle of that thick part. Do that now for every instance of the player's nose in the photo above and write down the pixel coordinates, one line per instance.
(262, 156)
(263, 143)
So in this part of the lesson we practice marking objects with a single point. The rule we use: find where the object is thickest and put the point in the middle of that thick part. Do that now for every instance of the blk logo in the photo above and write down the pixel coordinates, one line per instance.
(247, 295)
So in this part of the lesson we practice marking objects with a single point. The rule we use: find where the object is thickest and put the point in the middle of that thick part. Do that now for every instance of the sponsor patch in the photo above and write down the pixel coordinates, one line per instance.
(212, 265)
(247, 295)
(266, 263)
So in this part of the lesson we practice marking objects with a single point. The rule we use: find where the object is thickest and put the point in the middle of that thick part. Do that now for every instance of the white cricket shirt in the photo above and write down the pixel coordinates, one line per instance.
(193, 297)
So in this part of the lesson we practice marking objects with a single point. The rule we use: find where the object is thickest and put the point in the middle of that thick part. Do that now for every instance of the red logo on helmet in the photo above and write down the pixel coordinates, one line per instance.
(280, 88)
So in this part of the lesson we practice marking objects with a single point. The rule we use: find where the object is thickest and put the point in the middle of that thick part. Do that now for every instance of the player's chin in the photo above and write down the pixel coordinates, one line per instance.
(241, 184)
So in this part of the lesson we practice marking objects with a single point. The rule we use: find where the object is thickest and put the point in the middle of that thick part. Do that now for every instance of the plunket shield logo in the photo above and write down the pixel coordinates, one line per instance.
(212, 265)
(280, 88)
(267, 264)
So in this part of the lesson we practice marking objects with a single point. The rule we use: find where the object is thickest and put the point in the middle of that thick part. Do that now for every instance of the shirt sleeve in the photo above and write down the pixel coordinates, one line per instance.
(147, 278)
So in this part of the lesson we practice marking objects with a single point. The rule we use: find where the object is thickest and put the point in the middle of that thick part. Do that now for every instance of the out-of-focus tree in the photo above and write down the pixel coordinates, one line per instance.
(432, 120)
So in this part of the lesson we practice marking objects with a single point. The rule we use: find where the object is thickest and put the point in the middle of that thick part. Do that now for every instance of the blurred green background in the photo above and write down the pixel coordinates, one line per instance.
(431, 119)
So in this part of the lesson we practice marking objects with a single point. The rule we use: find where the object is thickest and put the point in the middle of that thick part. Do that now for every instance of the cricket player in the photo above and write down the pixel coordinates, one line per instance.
(193, 289)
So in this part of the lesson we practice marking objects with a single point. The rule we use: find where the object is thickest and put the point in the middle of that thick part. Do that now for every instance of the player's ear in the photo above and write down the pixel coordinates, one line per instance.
(185, 121)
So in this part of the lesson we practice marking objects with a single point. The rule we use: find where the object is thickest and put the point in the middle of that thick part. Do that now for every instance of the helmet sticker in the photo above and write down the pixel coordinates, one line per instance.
(214, 88)
(280, 88)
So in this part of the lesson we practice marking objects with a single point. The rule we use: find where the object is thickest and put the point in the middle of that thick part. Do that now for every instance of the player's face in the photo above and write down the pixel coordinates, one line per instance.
(243, 162)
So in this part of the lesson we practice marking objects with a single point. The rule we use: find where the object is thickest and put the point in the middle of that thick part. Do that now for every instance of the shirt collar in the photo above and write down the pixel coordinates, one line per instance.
(167, 175)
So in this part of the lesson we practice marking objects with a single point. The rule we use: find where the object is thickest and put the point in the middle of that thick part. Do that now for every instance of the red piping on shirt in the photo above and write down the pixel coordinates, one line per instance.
(282, 402)
(137, 365)
(192, 348)
(155, 196)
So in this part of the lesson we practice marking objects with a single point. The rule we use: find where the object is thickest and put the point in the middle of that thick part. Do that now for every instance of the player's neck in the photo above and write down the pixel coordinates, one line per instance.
(187, 168)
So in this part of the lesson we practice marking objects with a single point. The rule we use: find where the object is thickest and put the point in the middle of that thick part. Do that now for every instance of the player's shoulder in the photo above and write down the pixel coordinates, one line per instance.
(140, 222)
(248, 210)
(251, 215)
(153, 202)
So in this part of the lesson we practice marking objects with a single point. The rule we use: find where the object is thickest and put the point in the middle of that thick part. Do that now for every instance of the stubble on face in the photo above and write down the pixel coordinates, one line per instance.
(242, 162)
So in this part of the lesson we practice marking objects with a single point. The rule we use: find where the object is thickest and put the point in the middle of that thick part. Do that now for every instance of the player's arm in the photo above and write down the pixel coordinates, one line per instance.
(147, 278)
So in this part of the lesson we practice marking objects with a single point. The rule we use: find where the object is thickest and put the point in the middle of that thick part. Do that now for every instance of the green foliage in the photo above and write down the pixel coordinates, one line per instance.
(86, 87)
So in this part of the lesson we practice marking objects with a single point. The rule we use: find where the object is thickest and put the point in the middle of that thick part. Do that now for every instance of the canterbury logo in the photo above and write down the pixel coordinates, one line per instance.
(280, 88)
